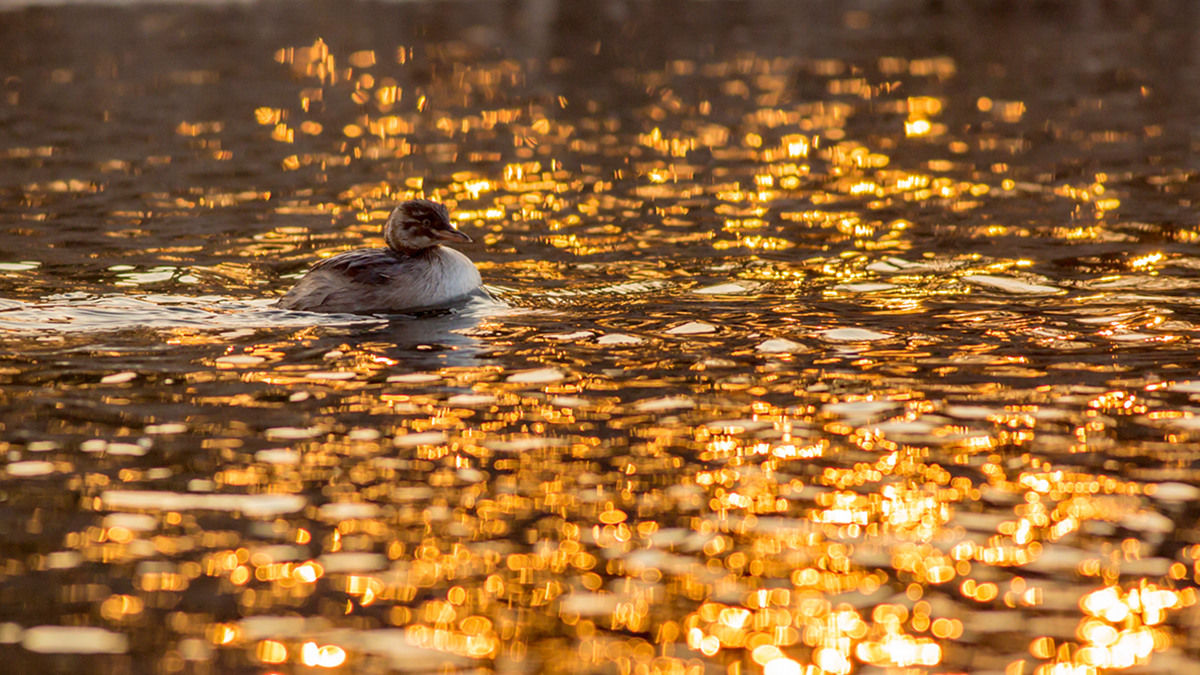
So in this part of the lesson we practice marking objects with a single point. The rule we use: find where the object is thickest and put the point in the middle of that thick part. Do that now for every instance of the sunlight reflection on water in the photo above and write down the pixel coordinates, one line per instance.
(832, 340)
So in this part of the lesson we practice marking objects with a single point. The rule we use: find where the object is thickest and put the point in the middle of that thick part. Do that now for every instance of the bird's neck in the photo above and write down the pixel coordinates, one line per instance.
(407, 252)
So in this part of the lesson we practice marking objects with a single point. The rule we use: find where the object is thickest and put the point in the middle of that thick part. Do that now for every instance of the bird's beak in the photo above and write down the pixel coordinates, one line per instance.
(451, 235)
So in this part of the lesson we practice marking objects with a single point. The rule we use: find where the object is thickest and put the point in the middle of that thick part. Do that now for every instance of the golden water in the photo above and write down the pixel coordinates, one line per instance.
(835, 340)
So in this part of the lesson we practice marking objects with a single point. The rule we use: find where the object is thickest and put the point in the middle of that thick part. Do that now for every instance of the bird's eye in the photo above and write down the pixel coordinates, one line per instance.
(426, 222)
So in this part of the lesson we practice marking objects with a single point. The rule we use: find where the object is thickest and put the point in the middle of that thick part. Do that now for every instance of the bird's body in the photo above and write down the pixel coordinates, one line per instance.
(413, 273)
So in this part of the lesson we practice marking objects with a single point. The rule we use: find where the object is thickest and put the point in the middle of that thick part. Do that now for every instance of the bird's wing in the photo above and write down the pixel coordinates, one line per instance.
(373, 266)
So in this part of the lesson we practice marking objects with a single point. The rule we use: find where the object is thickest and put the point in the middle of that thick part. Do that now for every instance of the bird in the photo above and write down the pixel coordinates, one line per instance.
(413, 273)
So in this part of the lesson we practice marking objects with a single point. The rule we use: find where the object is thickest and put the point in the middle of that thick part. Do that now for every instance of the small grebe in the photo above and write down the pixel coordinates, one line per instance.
(414, 272)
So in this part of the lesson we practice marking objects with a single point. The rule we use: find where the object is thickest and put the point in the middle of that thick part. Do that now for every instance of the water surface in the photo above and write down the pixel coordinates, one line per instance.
(836, 339)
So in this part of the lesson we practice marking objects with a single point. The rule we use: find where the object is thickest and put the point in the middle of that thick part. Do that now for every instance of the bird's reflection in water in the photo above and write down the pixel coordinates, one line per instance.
(433, 339)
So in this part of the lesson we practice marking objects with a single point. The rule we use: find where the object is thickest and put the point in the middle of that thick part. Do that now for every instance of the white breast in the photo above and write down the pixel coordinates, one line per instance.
(449, 276)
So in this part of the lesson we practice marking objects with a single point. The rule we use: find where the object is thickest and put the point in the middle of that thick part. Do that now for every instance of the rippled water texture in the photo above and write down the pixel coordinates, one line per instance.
(836, 338)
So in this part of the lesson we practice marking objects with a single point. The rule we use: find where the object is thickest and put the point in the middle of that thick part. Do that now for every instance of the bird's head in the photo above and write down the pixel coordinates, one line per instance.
(418, 224)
